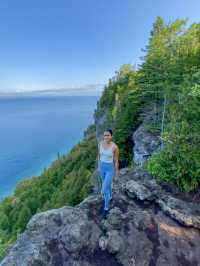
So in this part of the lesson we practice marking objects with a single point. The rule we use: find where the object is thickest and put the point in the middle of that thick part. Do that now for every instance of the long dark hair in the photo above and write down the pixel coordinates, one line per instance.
(109, 130)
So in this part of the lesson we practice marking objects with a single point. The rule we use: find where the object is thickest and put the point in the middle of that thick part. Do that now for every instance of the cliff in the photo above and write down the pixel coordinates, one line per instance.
(148, 224)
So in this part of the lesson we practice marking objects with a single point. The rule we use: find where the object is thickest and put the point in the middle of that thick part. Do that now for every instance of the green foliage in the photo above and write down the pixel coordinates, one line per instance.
(4, 222)
(74, 188)
(23, 218)
(171, 70)
(179, 165)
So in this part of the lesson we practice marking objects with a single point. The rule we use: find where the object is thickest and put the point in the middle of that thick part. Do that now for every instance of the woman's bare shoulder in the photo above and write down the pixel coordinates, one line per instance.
(115, 145)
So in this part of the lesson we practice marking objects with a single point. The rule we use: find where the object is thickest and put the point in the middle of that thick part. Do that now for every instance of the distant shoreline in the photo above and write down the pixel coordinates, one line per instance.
(46, 95)
(87, 90)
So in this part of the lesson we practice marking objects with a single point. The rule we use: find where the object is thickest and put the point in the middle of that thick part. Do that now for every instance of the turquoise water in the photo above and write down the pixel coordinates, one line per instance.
(33, 130)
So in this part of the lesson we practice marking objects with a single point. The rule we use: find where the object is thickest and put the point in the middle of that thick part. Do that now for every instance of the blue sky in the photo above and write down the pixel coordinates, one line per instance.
(67, 43)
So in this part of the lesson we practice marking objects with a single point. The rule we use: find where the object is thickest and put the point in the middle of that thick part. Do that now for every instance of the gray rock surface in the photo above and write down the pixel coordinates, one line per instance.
(135, 189)
(101, 124)
(186, 213)
(145, 143)
(139, 231)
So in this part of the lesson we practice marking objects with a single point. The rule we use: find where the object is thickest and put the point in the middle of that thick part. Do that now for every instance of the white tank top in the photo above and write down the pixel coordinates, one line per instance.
(106, 155)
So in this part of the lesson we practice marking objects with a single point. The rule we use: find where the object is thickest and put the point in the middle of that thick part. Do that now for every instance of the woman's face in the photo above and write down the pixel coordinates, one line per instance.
(107, 136)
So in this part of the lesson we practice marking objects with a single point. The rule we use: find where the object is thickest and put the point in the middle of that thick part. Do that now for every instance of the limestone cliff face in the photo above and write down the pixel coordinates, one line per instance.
(145, 143)
(147, 225)
(101, 123)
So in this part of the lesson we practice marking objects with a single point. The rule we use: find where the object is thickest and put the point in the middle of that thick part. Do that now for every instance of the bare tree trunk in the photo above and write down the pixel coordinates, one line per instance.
(163, 118)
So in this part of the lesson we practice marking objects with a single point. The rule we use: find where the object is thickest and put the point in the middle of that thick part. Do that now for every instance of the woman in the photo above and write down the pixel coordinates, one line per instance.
(108, 167)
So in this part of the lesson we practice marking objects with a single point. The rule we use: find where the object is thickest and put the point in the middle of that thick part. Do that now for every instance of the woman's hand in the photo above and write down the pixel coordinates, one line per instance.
(116, 176)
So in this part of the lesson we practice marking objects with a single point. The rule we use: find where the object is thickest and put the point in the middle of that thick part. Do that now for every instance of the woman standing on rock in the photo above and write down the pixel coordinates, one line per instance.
(108, 166)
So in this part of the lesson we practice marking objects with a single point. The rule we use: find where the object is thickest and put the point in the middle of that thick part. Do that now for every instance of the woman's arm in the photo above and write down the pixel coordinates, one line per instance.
(98, 156)
(116, 161)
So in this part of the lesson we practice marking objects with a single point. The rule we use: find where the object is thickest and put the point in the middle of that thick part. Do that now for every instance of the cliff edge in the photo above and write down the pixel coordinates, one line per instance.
(147, 225)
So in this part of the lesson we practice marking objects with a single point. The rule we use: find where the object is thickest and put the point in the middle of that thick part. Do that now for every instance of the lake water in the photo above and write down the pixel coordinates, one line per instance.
(34, 129)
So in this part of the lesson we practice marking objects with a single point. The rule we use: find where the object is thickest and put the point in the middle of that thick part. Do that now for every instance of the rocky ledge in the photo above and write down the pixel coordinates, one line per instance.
(145, 226)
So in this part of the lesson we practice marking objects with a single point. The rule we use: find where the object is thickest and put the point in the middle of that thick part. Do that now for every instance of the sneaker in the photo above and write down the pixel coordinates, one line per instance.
(105, 213)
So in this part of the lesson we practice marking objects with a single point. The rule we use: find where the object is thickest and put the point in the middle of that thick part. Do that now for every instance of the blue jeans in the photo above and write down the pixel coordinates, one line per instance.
(107, 171)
